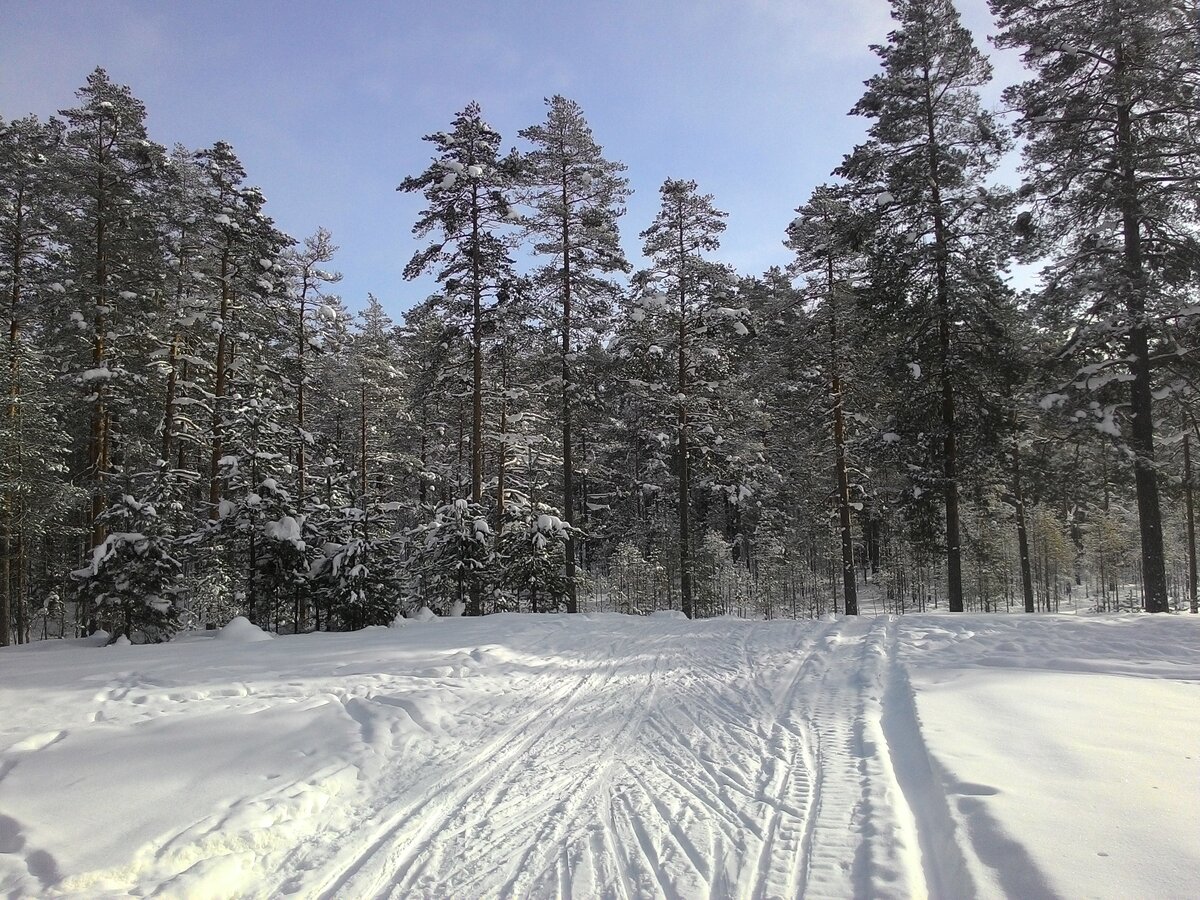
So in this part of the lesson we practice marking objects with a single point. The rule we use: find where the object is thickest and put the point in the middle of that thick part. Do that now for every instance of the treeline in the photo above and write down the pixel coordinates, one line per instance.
(196, 427)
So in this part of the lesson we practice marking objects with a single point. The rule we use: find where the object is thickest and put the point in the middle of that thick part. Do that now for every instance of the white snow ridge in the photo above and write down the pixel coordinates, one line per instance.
(607, 756)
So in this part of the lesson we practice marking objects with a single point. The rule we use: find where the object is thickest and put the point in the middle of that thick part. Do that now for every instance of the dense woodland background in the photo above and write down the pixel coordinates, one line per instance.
(195, 425)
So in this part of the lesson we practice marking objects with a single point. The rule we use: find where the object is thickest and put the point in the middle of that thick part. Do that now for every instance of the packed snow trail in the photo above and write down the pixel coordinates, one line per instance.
(593, 757)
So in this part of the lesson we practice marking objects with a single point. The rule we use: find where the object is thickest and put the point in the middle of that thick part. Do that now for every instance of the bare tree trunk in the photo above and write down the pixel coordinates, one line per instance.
(1022, 532)
(9, 598)
(849, 587)
(685, 553)
(98, 439)
(218, 408)
(954, 594)
(362, 457)
(502, 455)
(302, 341)
(1191, 523)
(568, 461)
(1154, 571)
(476, 605)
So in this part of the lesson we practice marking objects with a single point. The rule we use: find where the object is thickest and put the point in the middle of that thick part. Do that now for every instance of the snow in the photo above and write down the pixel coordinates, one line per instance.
(243, 631)
(285, 529)
(611, 756)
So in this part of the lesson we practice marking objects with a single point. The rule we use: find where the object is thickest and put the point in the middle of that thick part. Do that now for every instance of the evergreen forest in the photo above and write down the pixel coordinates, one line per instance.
(195, 425)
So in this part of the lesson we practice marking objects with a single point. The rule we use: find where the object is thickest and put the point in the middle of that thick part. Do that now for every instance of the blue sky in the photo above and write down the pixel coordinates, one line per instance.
(326, 102)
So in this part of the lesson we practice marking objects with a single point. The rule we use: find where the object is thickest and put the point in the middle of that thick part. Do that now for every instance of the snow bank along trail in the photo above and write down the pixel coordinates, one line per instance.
(598, 756)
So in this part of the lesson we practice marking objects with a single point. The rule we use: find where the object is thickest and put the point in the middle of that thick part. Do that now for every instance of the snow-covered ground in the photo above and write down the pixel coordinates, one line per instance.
(610, 756)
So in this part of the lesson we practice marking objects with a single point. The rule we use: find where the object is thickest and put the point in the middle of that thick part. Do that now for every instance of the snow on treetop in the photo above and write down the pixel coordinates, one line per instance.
(285, 530)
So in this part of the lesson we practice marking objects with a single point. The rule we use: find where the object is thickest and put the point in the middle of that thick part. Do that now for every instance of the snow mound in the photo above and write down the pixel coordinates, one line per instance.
(121, 641)
(99, 638)
(424, 614)
(668, 614)
(399, 621)
(243, 631)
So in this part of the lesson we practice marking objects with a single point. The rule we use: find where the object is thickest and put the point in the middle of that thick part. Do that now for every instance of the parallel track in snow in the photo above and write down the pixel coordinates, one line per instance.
(610, 758)
(686, 771)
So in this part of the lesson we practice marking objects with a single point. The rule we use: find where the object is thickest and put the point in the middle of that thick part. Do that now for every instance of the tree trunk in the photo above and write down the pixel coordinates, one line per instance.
(214, 484)
(954, 595)
(685, 552)
(169, 410)
(362, 455)
(502, 455)
(301, 377)
(1191, 523)
(173, 357)
(476, 605)
(9, 598)
(849, 587)
(1154, 571)
(568, 462)
(6, 598)
(1022, 532)
(476, 356)
(98, 439)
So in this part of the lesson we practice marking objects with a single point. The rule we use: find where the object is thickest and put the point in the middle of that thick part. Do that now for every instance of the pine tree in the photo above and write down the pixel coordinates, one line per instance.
(930, 149)
(827, 241)
(1112, 163)
(466, 188)
(681, 310)
(242, 253)
(577, 196)
(132, 580)
(32, 440)
(305, 265)
(111, 172)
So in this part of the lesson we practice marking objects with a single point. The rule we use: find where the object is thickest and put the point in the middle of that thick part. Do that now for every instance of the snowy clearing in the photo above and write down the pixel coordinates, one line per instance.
(611, 756)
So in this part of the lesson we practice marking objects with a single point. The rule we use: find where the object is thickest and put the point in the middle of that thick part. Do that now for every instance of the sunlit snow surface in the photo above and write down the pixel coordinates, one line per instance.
(609, 756)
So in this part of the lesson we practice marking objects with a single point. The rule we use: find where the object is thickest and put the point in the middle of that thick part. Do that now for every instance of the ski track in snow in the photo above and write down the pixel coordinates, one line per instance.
(603, 757)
